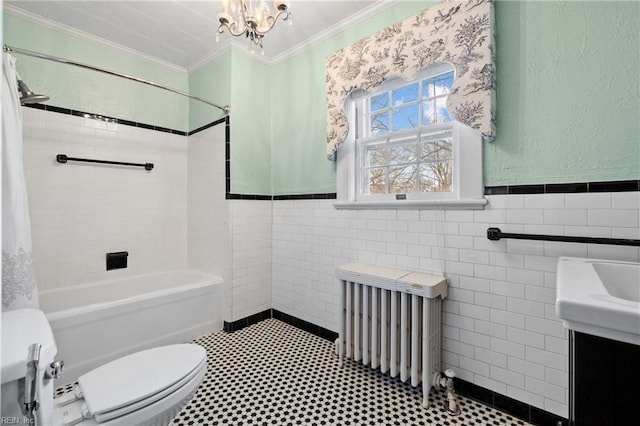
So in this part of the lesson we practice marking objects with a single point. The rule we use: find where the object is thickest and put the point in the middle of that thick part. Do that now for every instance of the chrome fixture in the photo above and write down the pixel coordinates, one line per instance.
(55, 369)
(28, 97)
(445, 380)
(252, 19)
(31, 403)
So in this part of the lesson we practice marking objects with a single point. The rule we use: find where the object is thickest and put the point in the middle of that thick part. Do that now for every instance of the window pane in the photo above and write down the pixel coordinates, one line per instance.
(379, 102)
(428, 89)
(406, 117)
(428, 112)
(403, 179)
(375, 181)
(405, 94)
(442, 84)
(403, 151)
(436, 149)
(442, 113)
(379, 124)
(375, 155)
(435, 177)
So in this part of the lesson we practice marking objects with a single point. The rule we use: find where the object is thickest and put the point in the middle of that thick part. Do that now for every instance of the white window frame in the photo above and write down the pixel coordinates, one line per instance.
(467, 188)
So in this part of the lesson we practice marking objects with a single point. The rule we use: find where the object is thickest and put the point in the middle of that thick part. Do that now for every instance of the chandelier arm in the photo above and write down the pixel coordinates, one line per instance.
(233, 29)
(272, 20)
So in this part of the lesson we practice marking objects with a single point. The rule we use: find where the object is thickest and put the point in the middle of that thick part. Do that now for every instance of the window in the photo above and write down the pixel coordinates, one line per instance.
(405, 145)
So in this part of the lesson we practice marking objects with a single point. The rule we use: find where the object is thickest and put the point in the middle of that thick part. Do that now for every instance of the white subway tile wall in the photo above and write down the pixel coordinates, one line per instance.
(208, 212)
(251, 248)
(500, 328)
(81, 211)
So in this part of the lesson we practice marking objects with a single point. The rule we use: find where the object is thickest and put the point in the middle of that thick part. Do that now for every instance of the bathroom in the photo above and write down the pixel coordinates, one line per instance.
(252, 200)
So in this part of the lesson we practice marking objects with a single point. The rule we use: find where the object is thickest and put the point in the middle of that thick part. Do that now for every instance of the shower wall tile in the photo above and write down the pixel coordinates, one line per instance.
(81, 211)
(501, 331)
(208, 211)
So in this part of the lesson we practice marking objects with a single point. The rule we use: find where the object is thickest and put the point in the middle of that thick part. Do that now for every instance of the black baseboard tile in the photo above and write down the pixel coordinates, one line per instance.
(512, 406)
(519, 409)
(306, 326)
(233, 326)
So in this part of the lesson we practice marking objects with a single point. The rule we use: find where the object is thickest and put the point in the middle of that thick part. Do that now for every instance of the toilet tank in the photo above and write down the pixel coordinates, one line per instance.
(20, 329)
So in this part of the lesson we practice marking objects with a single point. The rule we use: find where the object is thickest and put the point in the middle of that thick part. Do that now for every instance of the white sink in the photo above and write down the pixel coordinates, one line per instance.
(600, 297)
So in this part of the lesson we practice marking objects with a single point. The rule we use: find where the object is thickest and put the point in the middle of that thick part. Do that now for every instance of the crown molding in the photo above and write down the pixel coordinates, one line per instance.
(223, 47)
(349, 21)
(86, 36)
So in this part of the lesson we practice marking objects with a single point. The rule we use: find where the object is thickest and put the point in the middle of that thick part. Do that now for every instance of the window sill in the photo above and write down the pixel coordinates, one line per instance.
(468, 204)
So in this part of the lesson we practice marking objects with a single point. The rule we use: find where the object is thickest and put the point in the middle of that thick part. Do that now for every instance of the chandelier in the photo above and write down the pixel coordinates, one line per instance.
(251, 18)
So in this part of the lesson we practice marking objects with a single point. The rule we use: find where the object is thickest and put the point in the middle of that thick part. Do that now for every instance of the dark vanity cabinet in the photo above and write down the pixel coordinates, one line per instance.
(605, 376)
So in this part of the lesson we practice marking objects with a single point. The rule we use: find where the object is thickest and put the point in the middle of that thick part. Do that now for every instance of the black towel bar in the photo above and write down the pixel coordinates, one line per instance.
(62, 158)
(496, 234)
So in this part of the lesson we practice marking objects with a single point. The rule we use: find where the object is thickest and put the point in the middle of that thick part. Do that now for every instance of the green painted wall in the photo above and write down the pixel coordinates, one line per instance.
(212, 82)
(237, 79)
(568, 107)
(299, 161)
(86, 90)
(568, 93)
(250, 125)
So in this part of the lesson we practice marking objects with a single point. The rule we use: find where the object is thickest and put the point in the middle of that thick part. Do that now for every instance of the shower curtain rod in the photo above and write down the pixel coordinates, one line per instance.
(7, 48)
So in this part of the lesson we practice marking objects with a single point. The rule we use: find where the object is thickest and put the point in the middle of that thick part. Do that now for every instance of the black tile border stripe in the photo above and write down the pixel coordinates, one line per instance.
(566, 188)
(67, 111)
(521, 410)
(83, 114)
(326, 196)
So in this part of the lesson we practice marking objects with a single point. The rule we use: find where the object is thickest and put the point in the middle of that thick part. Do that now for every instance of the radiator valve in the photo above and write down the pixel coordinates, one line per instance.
(445, 381)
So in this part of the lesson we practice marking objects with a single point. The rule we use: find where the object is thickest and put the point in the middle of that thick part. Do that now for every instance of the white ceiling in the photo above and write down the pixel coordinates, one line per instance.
(183, 32)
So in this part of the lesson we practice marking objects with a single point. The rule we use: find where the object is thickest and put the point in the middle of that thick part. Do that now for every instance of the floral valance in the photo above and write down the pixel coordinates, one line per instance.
(457, 32)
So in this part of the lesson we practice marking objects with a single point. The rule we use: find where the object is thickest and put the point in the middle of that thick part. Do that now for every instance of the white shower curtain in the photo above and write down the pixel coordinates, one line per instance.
(18, 277)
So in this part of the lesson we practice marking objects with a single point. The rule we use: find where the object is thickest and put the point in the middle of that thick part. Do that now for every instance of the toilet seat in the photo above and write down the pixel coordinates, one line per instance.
(135, 387)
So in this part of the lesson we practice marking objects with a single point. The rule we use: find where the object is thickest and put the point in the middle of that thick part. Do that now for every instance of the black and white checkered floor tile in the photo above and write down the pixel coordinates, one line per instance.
(272, 373)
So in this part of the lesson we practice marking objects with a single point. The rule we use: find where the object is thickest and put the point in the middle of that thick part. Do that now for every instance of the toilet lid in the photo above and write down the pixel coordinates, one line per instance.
(137, 377)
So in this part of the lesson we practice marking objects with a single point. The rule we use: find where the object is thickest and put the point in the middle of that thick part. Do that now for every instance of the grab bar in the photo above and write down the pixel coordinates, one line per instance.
(495, 234)
(62, 158)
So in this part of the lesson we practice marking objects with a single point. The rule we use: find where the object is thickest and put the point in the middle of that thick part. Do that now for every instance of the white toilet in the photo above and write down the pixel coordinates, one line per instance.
(146, 388)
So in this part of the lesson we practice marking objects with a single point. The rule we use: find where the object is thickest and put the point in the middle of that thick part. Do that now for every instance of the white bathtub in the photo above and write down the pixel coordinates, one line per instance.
(98, 322)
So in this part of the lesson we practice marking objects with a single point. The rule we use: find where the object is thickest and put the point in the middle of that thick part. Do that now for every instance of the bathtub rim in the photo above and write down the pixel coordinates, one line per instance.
(103, 310)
